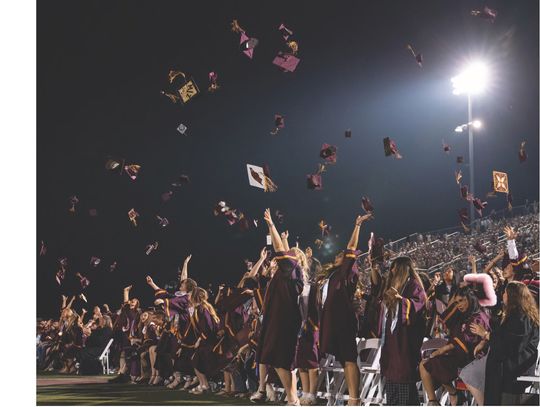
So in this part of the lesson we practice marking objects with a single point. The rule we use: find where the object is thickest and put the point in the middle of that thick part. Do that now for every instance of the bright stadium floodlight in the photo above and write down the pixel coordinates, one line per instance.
(472, 81)
(477, 124)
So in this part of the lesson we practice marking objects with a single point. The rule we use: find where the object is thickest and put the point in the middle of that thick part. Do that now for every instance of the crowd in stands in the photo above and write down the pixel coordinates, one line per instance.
(275, 328)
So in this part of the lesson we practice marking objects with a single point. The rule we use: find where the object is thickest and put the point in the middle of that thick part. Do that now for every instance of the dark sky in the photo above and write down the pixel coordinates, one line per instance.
(102, 64)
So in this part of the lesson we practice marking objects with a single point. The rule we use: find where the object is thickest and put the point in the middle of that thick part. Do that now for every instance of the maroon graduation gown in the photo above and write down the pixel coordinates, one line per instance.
(281, 314)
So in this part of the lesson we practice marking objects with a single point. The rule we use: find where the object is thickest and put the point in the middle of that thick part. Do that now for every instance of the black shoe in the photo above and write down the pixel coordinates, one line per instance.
(121, 378)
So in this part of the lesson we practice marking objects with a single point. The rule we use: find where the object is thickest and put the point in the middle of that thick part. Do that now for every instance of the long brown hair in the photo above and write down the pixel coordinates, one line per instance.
(200, 296)
(397, 279)
(520, 299)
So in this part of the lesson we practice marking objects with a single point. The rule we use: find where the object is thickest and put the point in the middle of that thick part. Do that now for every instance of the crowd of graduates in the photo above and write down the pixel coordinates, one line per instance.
(288, 312)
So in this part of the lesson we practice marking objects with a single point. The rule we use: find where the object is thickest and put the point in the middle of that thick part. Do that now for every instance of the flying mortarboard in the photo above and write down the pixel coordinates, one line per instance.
(390, 148)
(42, 249)
(60, 275)
(287, 62)
(314, 181)
(133, 215)
(163, 222)
(212, 77)
(182, 128)
(279, 123)
(446, 147)
(348, 133)
(73, 200)
(458, 176)
(151, 247)
(63, 261)
(94, 261)
(132, 171)
(92, 212)
(459, 159)
(83, 297)
(522, 152)
(417, 56)
(367, 205)
(112, 267)
(259, 177)
(328, 153)
(113, 164)
(500, 182)
(318, 243)
(83, 280)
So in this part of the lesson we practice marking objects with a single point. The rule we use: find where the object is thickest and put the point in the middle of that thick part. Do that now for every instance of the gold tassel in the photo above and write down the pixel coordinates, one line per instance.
(269, 185)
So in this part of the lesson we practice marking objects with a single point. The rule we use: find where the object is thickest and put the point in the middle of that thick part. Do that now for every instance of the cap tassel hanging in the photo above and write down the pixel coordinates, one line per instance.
(269, 185)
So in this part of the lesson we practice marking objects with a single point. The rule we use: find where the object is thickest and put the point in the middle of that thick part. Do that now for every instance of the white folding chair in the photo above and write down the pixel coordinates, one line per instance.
(104, 357)
(371, 381)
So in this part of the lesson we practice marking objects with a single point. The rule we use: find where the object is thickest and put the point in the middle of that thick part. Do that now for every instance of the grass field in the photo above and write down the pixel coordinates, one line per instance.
(55, 389)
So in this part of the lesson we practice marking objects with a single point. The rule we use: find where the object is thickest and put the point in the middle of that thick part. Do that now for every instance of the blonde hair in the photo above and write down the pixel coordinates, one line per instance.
(200, 296)
(302, 263)
(404, 268)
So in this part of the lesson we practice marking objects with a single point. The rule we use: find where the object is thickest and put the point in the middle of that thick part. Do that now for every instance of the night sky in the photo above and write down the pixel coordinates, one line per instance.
(102, 65)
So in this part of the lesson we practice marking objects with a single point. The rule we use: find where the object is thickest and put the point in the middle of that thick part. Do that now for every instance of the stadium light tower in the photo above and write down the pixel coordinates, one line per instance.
(472, 81)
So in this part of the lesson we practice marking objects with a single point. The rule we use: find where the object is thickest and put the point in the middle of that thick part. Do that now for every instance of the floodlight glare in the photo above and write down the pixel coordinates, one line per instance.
(477, 124)
(473, 80)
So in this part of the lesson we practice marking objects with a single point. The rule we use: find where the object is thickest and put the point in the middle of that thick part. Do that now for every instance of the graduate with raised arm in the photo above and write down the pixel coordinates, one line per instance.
(282, 320)
(338, 319)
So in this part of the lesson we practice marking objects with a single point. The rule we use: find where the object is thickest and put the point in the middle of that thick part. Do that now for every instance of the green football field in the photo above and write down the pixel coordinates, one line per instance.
(55, 389)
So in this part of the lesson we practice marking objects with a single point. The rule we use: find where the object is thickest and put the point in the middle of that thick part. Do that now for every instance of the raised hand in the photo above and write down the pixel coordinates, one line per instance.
(478, 329)
(188, 258)
(264, 253)
(510, 233)
(128, 288)
(149, 280)
(268, 216)
(285, 235)
(362, 218)
(472, 259)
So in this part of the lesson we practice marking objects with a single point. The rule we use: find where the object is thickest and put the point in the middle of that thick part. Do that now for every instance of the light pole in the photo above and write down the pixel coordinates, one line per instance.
(472, 80)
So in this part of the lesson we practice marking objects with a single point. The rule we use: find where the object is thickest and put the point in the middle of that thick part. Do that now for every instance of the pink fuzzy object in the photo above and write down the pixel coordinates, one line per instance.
(487, 285)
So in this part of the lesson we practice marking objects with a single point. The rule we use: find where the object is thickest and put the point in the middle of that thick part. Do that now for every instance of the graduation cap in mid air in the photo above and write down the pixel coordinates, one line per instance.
(73, 200)
(279, 123)
(183, 88)
(367, 205)
(522, 152)
(213, 77)
(390, 148)
(133, 215)
(417, 55)
(247, 44)
(348, 133)
(287, 62)
(314, 181)
(259, 177)
(328, 153)
(500, 182)
(459, 159)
